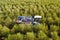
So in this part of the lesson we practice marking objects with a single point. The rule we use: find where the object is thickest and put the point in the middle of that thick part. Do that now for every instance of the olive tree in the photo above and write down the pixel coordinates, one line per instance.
(42, 36)
(5, 31)
(30, 36)
(17, 36)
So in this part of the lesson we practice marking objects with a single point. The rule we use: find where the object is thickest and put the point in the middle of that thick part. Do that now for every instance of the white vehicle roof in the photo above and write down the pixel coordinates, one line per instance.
(37, 16)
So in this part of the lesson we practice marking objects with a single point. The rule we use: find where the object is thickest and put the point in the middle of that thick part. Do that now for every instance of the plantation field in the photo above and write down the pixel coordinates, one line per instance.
(49, 29)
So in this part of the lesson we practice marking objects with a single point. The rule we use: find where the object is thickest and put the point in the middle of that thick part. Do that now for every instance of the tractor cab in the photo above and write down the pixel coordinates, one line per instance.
(37, 18)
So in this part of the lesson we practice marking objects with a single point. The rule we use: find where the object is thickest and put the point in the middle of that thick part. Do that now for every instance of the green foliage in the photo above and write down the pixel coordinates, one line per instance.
(19, 28)
(48, 9)
(55, 35)
(15, 28)
(42, 27)
(22, 27)
(30, 36)
(50, 20)
(42, 36)
(29, 28)
(5, 31)
(17, 36)
(0, 27)
(54, 28)
(8, 21)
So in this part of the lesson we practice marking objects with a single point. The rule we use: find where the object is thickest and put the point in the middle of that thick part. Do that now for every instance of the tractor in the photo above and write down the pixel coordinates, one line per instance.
(29, 20)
